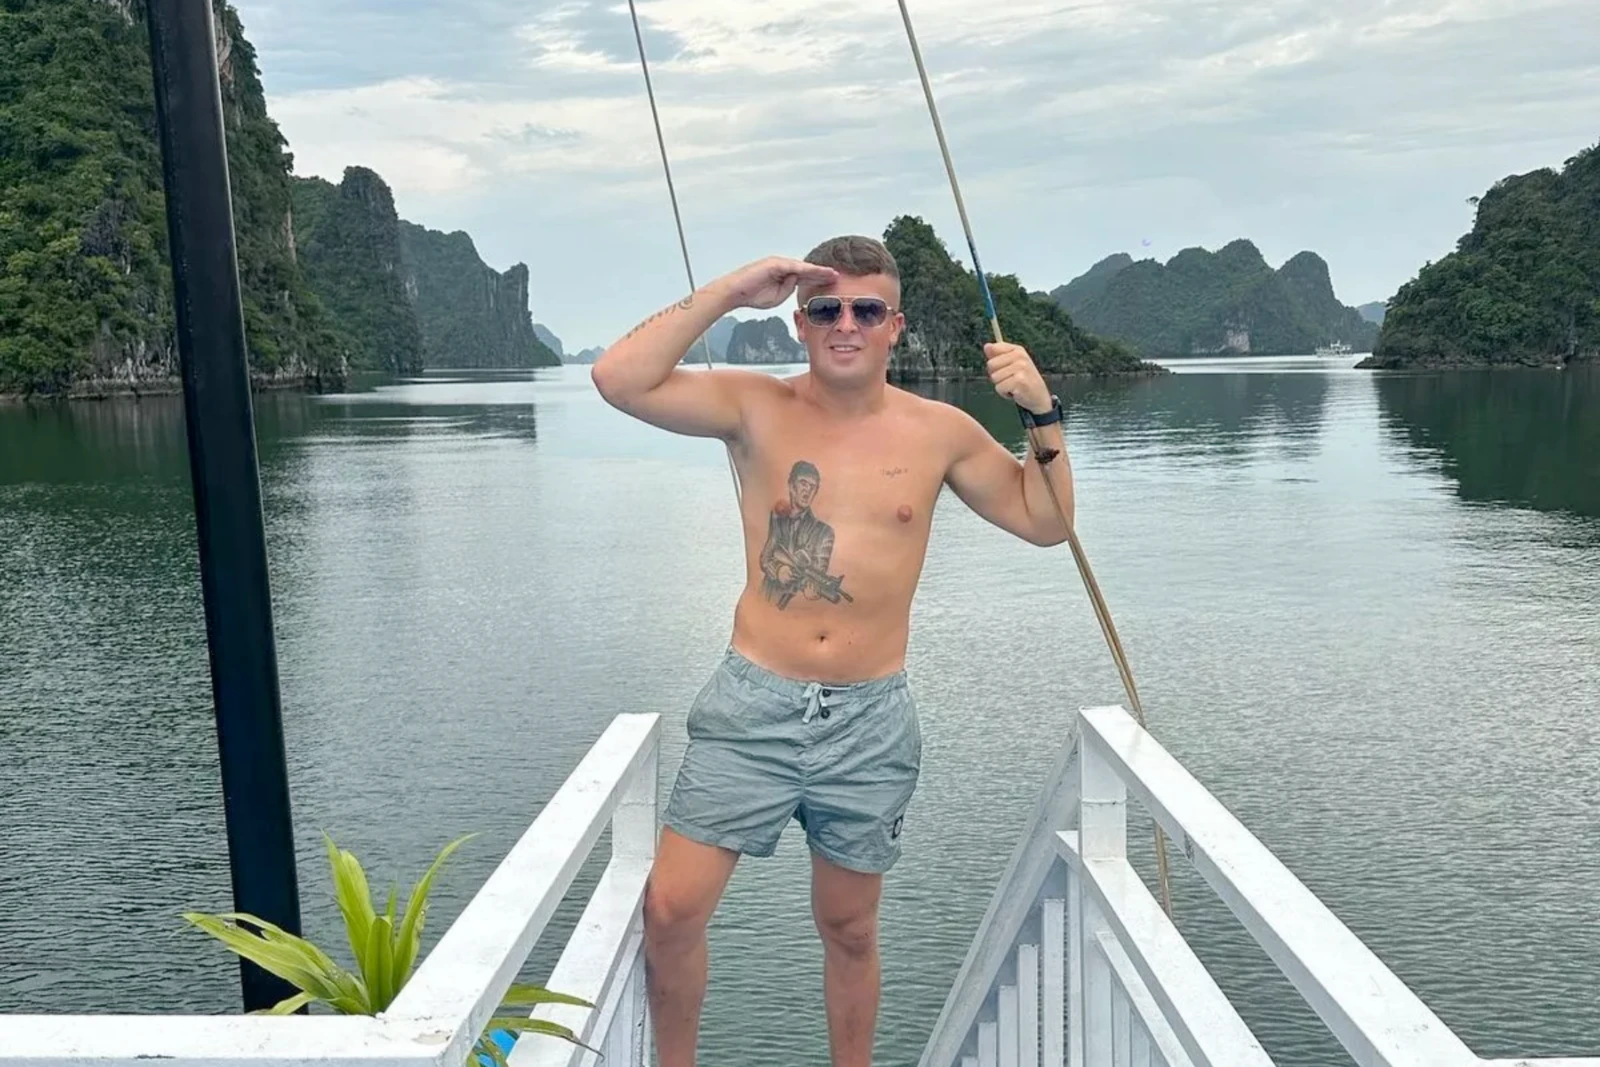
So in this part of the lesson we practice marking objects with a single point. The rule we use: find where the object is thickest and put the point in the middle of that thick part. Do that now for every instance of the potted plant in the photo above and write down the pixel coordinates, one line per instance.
(385, 947)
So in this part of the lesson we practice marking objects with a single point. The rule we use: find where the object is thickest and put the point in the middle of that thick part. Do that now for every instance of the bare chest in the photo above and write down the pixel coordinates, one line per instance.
(884, 483)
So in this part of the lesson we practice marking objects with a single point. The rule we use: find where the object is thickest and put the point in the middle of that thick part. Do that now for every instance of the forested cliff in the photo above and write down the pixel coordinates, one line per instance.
(85, 290)
(1522, 287)
(1229, 300)
(765, 340)
(347, 238)
(946, 326)
(85, 277)
(471, 314)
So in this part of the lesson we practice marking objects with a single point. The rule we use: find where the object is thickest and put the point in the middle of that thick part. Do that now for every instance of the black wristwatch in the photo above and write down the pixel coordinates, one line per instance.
(1029, 419)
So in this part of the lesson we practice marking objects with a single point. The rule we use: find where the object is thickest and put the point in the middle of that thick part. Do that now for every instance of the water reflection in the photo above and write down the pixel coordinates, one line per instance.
(1526, 438)
(1378, 680)
(95, 443)
(1210, 413)
(92, 443)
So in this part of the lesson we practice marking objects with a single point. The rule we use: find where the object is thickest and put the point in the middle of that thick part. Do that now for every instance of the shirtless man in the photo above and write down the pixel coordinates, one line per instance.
(809, 716)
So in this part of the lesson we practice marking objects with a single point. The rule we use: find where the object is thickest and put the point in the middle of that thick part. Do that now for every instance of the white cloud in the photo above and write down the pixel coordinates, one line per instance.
(1079, 128)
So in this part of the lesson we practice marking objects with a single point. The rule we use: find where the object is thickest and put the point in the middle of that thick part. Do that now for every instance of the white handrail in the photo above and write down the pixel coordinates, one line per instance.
(1157, 1031)
(441, 1012)
(1205, 1021)
(1118, 937)
(1014, 899)
(1372, 1013)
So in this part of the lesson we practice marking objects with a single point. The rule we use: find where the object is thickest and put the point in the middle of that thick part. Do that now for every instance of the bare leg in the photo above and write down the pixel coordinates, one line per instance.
(686, 882)
(845, 905)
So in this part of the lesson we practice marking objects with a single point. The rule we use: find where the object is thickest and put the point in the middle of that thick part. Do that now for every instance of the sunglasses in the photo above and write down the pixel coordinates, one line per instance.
(868, 311)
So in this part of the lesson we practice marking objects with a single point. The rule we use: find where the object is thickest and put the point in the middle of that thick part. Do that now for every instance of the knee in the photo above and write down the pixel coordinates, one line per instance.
(854, 936)
(671, 916)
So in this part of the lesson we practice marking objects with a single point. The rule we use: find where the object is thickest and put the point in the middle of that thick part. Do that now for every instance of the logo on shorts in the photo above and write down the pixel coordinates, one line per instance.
(894, 831)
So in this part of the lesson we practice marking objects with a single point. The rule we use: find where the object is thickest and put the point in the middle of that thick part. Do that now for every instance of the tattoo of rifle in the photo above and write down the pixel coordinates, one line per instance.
(826, 585)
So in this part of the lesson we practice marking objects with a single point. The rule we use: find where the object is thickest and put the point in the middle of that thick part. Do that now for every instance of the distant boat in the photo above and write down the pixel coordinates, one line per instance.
(1338, 348)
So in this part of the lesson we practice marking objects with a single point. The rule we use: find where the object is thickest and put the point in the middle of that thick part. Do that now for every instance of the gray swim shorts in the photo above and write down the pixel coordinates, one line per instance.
(842, 760)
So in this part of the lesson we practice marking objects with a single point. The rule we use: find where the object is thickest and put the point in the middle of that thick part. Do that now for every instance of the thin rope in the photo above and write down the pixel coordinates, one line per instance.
(683, 243)
(1102, 613)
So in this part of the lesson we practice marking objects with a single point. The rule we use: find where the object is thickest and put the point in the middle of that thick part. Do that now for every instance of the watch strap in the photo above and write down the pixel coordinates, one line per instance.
(1032, 419)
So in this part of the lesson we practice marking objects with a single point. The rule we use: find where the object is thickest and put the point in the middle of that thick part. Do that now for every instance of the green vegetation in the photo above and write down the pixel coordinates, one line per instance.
(348, 242)
(85, 274)
(85, 292)
(1523, 287)
(471, 314)
(1091, 283)
(385, 946)
(946, 325)
(82, 235)
(1228, 300)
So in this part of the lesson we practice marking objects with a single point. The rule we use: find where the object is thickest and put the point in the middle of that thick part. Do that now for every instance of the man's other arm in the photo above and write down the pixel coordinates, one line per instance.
(1012, 495)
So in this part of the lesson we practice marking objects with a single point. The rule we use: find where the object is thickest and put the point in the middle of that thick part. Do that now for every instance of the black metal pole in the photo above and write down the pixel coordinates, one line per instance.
(227, 482)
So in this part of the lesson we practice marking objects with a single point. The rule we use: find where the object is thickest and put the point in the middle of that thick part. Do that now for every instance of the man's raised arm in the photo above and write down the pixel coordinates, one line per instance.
(640, 374)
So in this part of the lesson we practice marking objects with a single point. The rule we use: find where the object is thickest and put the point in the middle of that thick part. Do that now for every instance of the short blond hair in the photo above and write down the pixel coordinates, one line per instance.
(855, 255)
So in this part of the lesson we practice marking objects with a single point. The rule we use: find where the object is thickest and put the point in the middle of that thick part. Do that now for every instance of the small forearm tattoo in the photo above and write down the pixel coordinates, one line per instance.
(683, 305)
(1045, 455)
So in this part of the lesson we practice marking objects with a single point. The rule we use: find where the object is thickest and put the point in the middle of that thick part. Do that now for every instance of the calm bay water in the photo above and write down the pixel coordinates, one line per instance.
(1364, 610)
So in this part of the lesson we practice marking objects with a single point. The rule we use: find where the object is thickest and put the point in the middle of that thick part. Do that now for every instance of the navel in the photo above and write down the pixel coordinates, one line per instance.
(904, 514)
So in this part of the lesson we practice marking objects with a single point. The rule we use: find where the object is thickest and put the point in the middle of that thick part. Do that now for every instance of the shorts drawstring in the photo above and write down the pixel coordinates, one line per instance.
(813, 700)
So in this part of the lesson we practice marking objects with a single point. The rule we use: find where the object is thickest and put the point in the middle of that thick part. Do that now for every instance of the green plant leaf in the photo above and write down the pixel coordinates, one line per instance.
(277, 935)
(380, 958)
(355, 902)
(288, 1005)
(295, 966)
(349, 993)
(519, 995)
(388, 912)
(520, 1025)
(409, 941)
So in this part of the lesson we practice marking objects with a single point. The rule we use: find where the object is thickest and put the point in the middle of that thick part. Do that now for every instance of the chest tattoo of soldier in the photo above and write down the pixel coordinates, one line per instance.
(794, 561)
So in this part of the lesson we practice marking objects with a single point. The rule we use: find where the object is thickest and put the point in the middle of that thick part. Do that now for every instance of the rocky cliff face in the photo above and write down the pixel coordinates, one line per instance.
(348, 242)
(86, 300)
(549, 340)
(764, 341)
(471, 315)
(718, 336)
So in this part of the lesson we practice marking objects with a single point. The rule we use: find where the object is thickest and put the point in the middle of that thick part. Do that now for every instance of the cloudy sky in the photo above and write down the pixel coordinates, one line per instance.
(1354, 128)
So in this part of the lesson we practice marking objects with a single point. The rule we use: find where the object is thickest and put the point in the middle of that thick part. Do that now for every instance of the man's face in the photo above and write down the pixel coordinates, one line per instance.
(802, 490)
(847, 352)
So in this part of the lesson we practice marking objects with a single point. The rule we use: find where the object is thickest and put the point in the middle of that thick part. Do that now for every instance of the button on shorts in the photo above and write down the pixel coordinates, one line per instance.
(842, 760)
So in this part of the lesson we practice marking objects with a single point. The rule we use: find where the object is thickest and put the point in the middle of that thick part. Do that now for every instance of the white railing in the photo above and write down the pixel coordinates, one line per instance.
(1076, 965)
(443, 1009)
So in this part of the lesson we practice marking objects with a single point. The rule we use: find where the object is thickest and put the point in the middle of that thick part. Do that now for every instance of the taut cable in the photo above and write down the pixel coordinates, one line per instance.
(672, 192)
(1101, 612)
